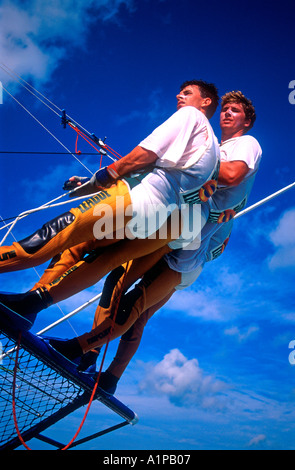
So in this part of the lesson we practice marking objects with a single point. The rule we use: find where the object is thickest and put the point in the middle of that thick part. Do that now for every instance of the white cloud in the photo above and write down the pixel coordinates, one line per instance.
(199, 304)
(183, 382)
(213, 296)
(283, 234)
(257, 440)
(283, 239)
(35, 35)
(241, 335)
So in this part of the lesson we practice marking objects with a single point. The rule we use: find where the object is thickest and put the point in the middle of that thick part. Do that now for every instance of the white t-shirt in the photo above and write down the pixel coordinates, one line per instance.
(247, 149)
(188, 154)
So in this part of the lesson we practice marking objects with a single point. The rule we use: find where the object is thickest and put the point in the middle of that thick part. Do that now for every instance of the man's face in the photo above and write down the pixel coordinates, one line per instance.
(233, 118)
(189, 96)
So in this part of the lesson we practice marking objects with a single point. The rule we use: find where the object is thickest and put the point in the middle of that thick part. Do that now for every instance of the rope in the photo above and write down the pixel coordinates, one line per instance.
(14, 152)
(34, 91)
(17, 78)
(91, 142)
(102, 362)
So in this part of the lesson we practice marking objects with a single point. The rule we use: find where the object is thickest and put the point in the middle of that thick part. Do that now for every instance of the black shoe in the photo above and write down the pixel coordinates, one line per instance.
(69, 348)
(108, 382)
(88, 360)
(26, 304)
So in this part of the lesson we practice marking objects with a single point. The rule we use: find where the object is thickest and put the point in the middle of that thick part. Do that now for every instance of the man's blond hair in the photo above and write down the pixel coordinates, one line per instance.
(238, 97)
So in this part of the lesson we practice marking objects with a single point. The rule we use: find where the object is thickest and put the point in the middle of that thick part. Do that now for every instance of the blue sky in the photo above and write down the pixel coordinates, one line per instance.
(212, 371)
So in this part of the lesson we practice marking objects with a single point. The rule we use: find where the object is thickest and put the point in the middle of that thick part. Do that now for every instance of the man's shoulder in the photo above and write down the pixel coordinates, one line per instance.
(191, 111)
(249, 138)
(246, 140)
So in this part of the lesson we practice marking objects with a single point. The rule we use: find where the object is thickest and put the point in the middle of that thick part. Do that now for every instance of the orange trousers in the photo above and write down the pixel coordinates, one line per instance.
(119, 311)
(72, 235)
(70, 229)
(130, 340)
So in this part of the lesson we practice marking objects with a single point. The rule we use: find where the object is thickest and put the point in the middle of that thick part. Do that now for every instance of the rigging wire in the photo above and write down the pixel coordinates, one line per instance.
(19, 80)
(46, 129)
(35, 93)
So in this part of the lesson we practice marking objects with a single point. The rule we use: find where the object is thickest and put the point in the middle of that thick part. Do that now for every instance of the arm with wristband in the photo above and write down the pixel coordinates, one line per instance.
(137, 159)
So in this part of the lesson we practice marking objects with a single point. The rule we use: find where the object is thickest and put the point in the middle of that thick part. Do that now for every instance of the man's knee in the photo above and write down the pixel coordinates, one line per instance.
(47, 232)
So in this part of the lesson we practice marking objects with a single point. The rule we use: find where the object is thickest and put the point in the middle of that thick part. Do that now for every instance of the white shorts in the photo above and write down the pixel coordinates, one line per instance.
(187, 279)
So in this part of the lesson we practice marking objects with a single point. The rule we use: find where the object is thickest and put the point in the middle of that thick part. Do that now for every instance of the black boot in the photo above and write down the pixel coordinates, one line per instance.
(108, 382)
(70, 348)
(29, 303)
(88, 360)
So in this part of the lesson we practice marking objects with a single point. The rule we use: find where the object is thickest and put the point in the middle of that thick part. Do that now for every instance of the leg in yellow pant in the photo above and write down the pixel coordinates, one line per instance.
(127, 348)
(94, 267)
(69, 229)
(114, 320)
(62, 262)
(119, 311)
(83, 274)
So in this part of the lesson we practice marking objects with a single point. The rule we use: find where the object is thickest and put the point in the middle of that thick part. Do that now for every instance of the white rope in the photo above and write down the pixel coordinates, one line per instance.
(27, 87)
(49, 204)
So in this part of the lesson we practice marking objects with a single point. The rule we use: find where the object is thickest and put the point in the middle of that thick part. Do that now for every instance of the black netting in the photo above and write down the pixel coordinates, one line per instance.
(40, 391)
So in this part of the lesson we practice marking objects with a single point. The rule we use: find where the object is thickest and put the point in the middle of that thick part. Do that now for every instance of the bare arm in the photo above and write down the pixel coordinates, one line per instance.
(232, 173)
(137, 159)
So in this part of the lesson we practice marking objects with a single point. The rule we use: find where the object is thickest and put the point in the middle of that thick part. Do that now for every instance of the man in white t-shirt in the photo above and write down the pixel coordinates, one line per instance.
(185, 156)
(240, 158)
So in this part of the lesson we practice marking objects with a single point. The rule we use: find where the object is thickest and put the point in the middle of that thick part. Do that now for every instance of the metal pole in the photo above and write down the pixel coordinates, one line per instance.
(71, 314)
(263, 201)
